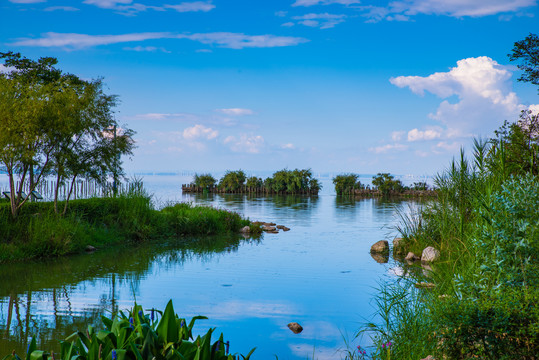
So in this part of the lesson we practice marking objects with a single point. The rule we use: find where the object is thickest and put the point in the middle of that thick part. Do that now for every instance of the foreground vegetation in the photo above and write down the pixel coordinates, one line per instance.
(138, 335)
(282, 182)
(39, 232)
(482, 302)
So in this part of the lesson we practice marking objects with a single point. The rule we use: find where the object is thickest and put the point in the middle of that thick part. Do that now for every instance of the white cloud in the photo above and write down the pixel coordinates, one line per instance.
(288, 146)
(61, 8)
(235, 111)
(147, 49)
(534, 109)
(165, 116)
(240, 41)
(288, 24)
(429, 134)
(203, 6)
(484, 97)
(127, 7)
(401, 10)
(281, 13)
(26, 1)
(397, 135)
(452, 147)
(200, 132)
(251, 144)
(324, 20)
(324, 2)
(107, 4)
(75, 41)
(388, 148)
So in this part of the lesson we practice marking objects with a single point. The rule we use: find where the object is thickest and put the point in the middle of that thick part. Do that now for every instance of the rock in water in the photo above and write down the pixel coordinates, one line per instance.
(381, 246)
(295, 327)
(430, 254)
(245, 230)
(269, 228)
(90, 248)
(412, 257)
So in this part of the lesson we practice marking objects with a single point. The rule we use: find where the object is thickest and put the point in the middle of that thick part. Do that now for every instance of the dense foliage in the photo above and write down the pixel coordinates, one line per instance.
(137, 335)
(282, 182)
(57, 123)
(39, 232)
(345, 183)
(204, 181)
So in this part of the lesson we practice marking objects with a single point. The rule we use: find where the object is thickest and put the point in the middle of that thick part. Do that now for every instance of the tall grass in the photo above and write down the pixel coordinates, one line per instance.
(486, 225)
(127, 217)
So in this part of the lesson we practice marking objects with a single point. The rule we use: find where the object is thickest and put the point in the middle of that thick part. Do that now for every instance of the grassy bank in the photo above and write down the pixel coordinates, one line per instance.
(99, 222)
(484, 300)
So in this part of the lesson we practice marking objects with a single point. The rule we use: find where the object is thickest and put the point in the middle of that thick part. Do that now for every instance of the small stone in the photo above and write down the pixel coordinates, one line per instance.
(430, 254)
(245, 230)
(430, 357)
(411, 257)
(268, 228)
(280, 227)
(424, 285)
(285, 228)
(381, 246)
(398, 246)
(90, 248)
(295, 327)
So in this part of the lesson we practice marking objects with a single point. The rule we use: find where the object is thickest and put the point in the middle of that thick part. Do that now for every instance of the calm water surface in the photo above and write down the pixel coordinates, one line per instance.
(320, 274)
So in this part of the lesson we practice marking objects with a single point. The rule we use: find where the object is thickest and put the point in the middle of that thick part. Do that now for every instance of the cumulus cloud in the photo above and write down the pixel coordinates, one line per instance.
(324, 2)
(200, 132)
(323, 21)
(251, 144)
(429, 134)
(235, 111)
(288, 146)
(73, 41)
(402, 10)
(484, 95)
(388, 148)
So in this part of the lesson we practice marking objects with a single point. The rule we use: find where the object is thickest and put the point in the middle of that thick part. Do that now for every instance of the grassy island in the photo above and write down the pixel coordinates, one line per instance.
(297, 182)
(97, 222)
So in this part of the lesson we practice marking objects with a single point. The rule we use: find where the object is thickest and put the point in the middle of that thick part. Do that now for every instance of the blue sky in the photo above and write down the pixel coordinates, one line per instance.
(333, 85)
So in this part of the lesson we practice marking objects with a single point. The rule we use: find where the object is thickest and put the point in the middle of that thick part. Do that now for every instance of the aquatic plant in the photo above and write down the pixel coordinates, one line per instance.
(136, 335)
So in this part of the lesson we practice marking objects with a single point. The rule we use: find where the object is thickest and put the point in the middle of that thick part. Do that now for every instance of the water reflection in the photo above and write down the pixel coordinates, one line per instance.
(320, 274)
(26, 287)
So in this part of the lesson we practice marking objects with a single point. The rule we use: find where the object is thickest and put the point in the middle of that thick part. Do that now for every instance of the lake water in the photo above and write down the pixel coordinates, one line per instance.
(320, 274)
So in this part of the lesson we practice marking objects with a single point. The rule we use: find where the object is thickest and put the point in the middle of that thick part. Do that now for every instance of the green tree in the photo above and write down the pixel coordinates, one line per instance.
(516, 146)
(232, 180)
(387, 184)
(204, 180)
(254, 182)
(527, 53)
(344, 183)
(56, 122)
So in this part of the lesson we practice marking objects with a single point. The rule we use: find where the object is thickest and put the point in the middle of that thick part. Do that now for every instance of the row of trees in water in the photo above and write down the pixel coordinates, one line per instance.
(282, 182)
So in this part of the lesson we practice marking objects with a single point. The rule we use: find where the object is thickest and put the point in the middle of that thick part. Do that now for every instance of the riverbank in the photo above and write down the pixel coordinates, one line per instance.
(479, 299)
(100, 222)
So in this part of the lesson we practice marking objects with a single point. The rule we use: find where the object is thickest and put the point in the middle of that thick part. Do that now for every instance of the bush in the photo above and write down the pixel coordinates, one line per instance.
(346, 183)
(204, 181)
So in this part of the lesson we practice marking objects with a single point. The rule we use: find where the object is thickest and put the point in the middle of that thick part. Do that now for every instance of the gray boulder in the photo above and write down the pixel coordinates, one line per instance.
(430, 254)
(245, 230)
(411, 257)
(398, 246)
